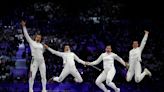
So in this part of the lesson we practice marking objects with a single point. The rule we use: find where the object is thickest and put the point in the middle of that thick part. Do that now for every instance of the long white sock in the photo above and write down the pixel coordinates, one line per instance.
(31, 83)
(141, 76)
(102, 86)
(44, 81)
(112, 85)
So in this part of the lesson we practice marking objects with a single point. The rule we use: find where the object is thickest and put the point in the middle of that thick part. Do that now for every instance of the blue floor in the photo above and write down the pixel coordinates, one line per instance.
(74, 87)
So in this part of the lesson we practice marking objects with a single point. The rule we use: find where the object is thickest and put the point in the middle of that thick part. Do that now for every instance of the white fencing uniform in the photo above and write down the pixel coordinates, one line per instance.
(109, 70)
(37, 50)
(134, 62)
(69, 67)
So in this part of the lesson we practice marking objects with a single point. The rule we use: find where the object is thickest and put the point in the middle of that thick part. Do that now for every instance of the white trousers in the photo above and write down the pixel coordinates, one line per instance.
(69, 70)
(35, 64)
(135, 69)
(108, 75)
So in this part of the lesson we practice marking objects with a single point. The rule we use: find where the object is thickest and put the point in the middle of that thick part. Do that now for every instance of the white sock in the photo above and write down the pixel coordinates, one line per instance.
(30, 90)
(112, 85)
(44, 81)
(102, 86)
(31, 83)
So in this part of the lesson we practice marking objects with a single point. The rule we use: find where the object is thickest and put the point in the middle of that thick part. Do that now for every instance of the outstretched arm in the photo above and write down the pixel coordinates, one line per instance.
(53, 51)
(96, 61)
(119, 59)
(28, 38)
(78, 59)
(143, 42)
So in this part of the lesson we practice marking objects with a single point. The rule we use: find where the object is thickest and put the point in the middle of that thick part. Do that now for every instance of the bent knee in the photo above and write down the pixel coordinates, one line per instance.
(97, 82)
(80, 81)
(59, 80)
(137, 79)
(128, 79)
(108, 82)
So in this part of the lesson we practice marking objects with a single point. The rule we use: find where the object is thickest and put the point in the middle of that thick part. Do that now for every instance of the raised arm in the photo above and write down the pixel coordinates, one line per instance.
(53, 51)
(96, 61)
(28, 38)
(78, 59)
(143, 42)
(119, 59)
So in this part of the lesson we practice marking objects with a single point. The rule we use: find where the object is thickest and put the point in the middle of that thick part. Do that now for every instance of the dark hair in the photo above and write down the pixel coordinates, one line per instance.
(38, 34)
(109, 45)
(66, 44)
(135, 41)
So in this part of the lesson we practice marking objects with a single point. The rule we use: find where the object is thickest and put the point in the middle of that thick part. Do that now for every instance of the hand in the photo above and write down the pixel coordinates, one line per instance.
(127, 65)
(146, 32)
(87, 63)
(23, 23)
(46, 46)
